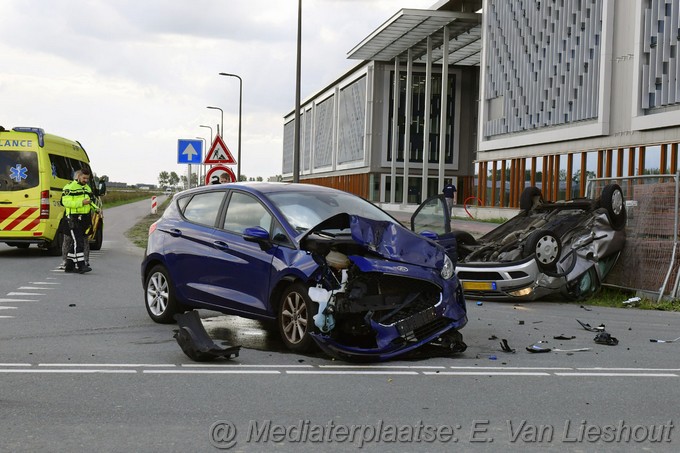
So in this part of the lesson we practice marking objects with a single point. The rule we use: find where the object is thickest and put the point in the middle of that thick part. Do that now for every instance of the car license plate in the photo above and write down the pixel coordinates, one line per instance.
(479, 286)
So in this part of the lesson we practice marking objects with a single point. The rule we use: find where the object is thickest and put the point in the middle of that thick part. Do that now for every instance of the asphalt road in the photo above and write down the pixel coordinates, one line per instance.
(82, 368)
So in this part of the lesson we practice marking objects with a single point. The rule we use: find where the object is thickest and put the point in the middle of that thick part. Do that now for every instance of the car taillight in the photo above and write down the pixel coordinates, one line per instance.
(152, 228)
(45, 204)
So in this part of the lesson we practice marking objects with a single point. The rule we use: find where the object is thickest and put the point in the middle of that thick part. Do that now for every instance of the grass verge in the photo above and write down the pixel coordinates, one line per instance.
(139, 233)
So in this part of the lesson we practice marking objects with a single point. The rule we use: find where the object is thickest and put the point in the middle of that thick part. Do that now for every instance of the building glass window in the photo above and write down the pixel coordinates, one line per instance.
(417, 123)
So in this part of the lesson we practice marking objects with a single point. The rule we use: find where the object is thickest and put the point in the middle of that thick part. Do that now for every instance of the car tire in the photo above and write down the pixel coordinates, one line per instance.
(295, 318)
(98, 238)
(526, 200)
(159, 296)
(547, 248)
(612, 200)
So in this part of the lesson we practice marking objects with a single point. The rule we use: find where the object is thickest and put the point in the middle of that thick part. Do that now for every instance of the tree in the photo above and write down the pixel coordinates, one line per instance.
(163, 178)
(173, 180)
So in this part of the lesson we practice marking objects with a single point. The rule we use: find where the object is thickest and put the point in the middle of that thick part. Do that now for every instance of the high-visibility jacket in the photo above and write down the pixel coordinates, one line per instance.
(72, 197)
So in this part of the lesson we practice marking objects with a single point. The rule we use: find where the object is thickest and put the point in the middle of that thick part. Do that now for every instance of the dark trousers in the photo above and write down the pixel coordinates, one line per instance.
(77, 224)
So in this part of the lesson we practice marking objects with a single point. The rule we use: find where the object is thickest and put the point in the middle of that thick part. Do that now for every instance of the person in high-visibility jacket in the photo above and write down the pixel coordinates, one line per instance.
(77, 199)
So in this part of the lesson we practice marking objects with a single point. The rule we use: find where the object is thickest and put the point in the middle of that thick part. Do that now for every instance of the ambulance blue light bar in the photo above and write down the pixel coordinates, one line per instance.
(36, 130)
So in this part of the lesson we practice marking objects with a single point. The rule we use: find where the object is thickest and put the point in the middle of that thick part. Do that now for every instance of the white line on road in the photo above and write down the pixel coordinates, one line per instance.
(341, 372)
(204, 371)
(618, 374)
(409, 367)
(24, 294)
(484, 373)
(509, 368)
(7, 308)
(123, 365)
(34, 287)
(238, 365)
(6, 317)
(18, 300)
(628, 369)
(87, 371)
(44, 283)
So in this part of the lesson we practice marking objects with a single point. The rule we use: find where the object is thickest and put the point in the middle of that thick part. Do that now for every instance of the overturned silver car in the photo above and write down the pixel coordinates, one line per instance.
(560, 250)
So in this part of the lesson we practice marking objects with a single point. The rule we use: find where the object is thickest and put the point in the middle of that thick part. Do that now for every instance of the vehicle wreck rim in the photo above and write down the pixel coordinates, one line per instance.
(617, 202)
(157, 294)
(547, 249)
(294, 318)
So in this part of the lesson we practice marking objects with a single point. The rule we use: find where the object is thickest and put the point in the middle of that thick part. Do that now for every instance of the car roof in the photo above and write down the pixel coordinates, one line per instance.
(269, 187)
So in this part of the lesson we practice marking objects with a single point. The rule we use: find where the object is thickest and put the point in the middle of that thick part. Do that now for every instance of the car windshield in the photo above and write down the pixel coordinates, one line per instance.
(305, 210)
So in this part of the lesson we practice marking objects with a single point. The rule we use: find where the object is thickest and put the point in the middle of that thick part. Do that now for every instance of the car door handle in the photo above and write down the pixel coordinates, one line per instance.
(174, 232)
(221, 245)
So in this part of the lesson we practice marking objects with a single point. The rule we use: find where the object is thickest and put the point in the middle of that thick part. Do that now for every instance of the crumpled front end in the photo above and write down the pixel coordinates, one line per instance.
(375, 305)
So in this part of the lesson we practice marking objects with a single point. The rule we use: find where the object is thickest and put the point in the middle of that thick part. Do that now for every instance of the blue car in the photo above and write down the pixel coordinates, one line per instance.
(332, 269)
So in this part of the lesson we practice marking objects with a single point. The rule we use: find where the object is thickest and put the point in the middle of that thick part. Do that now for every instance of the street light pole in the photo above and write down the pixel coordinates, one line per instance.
(221, 119)
(296, 140)
(240, 105)
(211, 140)
(200, 168)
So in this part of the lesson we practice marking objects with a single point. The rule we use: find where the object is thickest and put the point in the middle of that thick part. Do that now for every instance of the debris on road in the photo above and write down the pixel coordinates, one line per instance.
(653, 340)
(588, 327)
(563, 337)
(505, 347)
(538, 347)
(606, 339)
(195, 341)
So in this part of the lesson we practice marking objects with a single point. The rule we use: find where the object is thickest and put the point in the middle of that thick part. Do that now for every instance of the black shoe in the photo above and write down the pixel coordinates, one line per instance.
(70, 270)
(82, 270)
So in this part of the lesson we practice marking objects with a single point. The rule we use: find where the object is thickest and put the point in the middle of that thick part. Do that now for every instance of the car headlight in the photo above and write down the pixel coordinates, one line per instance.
(448, 268)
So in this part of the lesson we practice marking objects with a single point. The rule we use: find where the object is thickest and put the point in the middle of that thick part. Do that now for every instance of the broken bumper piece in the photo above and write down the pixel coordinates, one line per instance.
(393, 341)
(195, 341)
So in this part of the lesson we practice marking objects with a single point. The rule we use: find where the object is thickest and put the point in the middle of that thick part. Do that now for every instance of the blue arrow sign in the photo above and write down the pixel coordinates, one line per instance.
(189, 151)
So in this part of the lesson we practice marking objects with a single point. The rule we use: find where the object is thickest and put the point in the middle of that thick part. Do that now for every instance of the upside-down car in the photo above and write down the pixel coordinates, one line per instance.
(550, 250)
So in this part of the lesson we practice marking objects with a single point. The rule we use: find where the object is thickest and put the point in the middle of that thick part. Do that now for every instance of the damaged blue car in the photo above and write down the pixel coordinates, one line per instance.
(332, 270)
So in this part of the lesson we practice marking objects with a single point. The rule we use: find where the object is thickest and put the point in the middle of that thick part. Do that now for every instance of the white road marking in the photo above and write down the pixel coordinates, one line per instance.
(6, 317)
(204, 371)
(44, 283)
(18, 300)
(342, 372)
(24, 294)
(7, 308)
(619, 374)
(34, 287)
(339, 370)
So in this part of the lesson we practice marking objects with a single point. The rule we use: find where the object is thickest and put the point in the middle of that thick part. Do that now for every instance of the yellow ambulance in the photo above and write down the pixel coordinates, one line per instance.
(34, 167)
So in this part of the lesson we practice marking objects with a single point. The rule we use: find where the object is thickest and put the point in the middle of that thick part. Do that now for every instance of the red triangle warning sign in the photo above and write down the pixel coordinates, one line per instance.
(219, 153)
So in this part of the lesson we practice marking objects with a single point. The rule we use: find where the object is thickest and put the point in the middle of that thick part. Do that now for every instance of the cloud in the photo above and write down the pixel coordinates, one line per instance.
(128, 78)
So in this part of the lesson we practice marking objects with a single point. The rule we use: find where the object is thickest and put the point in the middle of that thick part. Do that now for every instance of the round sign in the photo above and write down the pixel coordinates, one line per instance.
(214, 174)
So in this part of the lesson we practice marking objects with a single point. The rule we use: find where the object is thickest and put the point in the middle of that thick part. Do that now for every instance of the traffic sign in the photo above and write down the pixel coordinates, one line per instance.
(189, 151)
(219, 153)
(213, 175)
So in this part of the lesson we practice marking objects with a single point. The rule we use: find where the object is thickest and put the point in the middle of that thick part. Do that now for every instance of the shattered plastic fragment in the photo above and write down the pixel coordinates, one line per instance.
(586, 308)
(587, 326)
(505, 347)
(664, 341)
(572, 350)
(606, 339)
(538, 347)
(195, 341)
(563, 337)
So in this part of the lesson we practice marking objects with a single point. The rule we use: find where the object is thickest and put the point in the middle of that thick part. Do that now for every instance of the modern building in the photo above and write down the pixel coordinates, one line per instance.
(537, 92)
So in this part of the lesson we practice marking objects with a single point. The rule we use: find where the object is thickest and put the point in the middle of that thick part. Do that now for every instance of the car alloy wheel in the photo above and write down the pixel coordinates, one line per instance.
(612, 200)
(546, 247)
(160, 296)
(295, 318)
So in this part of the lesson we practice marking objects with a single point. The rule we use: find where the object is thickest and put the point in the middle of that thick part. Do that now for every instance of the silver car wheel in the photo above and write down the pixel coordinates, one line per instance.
(294, 318)
(617, 202)
(547, 249)
(157, 294)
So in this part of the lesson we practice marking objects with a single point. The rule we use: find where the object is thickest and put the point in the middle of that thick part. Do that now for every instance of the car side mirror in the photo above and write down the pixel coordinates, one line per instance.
(102, 188)
(258, 235)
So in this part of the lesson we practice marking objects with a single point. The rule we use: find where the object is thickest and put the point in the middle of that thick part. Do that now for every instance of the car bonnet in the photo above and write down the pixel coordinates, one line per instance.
(386, 239)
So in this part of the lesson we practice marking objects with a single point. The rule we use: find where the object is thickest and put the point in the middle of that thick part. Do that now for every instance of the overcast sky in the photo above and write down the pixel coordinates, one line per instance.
(128, 78)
